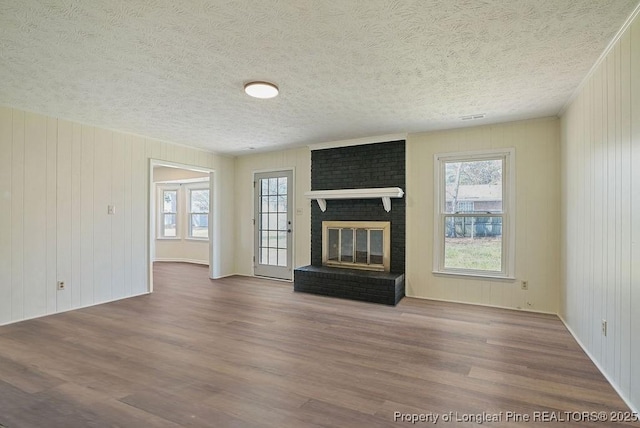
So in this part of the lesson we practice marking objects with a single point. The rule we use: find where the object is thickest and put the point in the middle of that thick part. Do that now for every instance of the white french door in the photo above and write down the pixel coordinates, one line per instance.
(273, 228)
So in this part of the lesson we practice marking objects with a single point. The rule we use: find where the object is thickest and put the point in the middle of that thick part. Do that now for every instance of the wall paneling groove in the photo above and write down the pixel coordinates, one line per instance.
(601, 215)
(56, 180)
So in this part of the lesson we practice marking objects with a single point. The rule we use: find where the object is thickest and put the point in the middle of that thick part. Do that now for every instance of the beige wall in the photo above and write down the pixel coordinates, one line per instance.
(165, 173)
(56, 180)
(300, 161)
(601, 215)
(182, 250)
(537, 155)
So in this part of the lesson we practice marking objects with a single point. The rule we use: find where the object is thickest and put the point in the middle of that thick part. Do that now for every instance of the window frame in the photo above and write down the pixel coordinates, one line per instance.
(161, 212)
(508, 214)
(188, 189)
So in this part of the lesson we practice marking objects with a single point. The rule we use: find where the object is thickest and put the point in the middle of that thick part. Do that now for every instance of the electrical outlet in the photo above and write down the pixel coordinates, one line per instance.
(60, 285)
(524, 285)
(604, 327)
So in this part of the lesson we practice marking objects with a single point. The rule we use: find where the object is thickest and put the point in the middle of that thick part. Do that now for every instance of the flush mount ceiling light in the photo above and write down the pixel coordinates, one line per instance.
(261, 89)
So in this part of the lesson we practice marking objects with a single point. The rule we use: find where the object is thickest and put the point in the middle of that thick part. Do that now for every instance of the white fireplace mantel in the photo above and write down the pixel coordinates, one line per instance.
(384, 193)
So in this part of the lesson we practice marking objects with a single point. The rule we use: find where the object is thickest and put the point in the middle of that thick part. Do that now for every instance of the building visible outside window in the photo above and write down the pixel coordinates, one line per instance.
(465, 206)
(475, 218)
(198, 210)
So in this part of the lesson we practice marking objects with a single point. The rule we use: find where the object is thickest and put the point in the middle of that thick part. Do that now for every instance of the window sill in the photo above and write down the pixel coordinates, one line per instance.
(168, 238)
(488, 277)
(197, 239)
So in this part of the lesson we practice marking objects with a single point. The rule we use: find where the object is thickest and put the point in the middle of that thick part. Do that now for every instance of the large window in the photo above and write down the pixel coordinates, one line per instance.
(475, 218)
(198, 207)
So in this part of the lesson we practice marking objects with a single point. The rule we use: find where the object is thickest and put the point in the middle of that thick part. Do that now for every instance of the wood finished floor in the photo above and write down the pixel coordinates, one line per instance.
(246, 352)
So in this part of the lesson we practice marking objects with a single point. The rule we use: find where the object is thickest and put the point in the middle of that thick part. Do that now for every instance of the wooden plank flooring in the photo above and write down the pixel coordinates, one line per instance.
(246, 352)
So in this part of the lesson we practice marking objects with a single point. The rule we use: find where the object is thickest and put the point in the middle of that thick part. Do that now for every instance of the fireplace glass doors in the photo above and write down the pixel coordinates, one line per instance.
(356, 245)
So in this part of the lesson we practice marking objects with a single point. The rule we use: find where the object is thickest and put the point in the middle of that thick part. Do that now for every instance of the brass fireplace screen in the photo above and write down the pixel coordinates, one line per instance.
(356, 244)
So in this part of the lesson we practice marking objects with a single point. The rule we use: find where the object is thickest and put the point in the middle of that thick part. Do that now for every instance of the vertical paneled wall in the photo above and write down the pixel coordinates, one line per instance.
(537, 167)
(56, 180)
(601, 215)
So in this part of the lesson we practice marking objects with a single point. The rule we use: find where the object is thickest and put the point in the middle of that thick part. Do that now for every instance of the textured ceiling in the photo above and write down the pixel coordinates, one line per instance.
(174, 69)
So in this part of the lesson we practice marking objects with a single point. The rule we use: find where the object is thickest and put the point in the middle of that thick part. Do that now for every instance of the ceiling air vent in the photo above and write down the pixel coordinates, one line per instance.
(473, 116)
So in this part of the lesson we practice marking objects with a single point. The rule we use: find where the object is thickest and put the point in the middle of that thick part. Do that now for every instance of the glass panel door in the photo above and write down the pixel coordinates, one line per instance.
(273, 227)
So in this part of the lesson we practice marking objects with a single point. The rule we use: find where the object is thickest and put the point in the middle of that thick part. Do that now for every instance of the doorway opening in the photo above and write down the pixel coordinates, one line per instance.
(181, 202)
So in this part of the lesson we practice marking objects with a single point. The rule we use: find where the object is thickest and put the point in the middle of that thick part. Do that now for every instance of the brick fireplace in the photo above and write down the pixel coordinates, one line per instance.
(369, 166)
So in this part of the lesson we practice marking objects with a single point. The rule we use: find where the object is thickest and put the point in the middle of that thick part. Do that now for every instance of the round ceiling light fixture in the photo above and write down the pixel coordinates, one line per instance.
(261, 89)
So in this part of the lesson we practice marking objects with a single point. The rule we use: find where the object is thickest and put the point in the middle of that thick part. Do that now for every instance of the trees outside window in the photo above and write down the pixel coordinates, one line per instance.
(169, 213)
(474, 227)
(183, 211)
(198, 205)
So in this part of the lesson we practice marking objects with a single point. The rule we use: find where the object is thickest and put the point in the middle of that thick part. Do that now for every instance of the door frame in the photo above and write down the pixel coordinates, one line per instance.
(214, 229)
(293, 219)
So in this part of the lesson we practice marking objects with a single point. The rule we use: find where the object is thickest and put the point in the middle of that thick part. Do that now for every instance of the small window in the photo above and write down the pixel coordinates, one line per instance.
(198, 209)
(474, 218)
(169, 214)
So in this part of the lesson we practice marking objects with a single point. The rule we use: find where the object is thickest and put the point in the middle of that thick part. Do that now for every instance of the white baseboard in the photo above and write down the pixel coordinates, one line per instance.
(178, 260)
(75, 309)
(599, 367)
(483, 304)
(263, 277)
(224, 276)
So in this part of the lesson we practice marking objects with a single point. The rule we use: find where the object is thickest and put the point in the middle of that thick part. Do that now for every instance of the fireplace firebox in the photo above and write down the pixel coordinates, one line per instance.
(356, 244)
